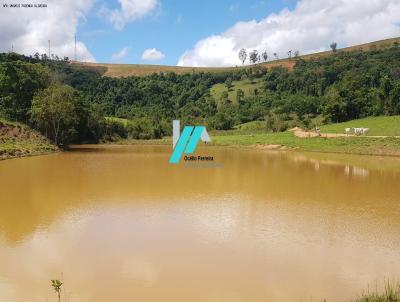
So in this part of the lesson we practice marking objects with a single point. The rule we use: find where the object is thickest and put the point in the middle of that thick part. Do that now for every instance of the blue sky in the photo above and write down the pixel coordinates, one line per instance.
(193, 33)
(172, 28)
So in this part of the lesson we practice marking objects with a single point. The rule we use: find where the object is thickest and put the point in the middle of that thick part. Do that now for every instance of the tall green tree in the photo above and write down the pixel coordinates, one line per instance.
(253, 57)
(265, 56)
(243, 55)
(54, 113)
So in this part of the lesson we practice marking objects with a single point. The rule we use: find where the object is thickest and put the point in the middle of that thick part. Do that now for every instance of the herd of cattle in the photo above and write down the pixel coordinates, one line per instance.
(357, 131)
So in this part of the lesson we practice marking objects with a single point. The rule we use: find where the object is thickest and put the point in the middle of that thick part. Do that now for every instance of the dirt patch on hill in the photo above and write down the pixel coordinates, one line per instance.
(16, 132)
(19, 140)
(298, 132)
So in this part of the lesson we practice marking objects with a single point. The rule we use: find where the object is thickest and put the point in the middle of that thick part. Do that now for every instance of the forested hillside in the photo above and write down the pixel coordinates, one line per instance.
(70, 103)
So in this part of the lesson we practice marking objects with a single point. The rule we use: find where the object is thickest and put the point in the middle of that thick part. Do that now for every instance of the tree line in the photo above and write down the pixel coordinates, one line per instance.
(255, 57)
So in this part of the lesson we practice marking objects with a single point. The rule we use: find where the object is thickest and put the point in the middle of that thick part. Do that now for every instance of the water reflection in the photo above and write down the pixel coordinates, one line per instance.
(349, 170)
(120, 223)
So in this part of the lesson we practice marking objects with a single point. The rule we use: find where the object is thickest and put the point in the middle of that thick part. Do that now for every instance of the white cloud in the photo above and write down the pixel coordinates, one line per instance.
(119, 55)
(310, 27)
(152, 54)
(129, 11)
(29, 29)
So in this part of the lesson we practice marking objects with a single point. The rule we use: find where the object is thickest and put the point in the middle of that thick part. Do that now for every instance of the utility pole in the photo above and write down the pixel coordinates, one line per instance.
(49, 50)
(75, 49)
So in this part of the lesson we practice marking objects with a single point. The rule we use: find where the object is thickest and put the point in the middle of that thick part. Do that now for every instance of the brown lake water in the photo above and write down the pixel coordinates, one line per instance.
(118, 223)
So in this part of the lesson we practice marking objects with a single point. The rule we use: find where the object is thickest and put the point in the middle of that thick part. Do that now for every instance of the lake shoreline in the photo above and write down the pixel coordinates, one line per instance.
(19, 154)
(286, 141)
(280, 142)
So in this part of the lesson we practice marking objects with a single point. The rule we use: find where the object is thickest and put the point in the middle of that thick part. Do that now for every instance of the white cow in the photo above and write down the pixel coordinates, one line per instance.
(360, 131)
(357, 131)
(347, 131)
(365, 131)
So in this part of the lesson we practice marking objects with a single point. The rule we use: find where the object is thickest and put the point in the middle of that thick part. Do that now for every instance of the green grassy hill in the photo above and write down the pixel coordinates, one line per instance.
(18, 140)
(379, 125)
(123, 121)
(287, 140)
(247, 86)
(254, 126)
(254, 133)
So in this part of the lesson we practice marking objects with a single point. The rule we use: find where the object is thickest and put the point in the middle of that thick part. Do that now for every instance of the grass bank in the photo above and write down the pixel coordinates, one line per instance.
(391, 293)
(17, 140)
(254, 133)
(378, 125)
(287, 140)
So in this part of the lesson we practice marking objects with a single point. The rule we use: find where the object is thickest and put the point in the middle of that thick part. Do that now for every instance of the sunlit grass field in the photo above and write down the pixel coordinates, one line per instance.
(247, 86)
(379, 125)
(123, 121)
(354, 145)
(254, 133)
(288, 141)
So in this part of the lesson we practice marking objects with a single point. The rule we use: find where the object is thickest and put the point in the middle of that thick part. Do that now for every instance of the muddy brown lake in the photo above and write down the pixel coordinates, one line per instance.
(119, 223)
